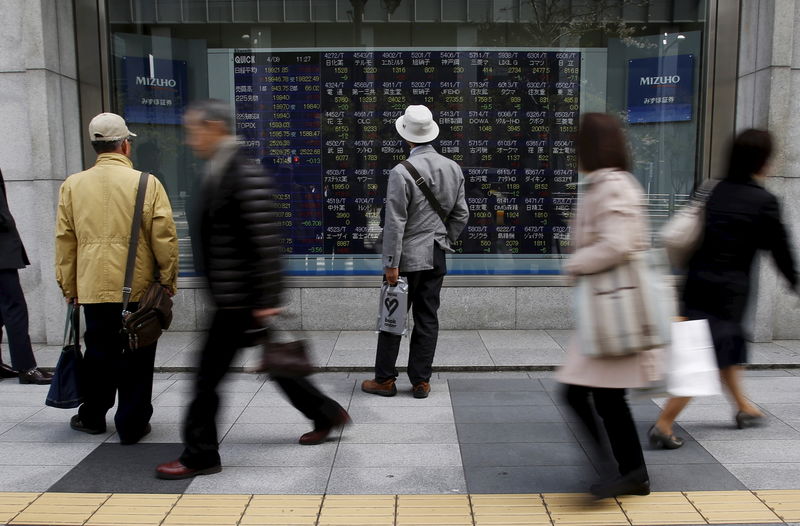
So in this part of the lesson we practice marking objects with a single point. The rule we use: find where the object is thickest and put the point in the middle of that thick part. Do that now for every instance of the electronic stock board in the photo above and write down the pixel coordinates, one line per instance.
(323, 122)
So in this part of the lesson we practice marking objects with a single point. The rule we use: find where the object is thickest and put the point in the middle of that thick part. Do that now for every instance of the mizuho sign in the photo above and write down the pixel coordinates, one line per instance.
(155, 89)
(659, 81)
(157, 82)
(661, 89)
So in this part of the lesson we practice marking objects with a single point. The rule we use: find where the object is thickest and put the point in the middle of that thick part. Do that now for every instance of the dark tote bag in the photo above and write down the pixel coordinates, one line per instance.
(65, 389)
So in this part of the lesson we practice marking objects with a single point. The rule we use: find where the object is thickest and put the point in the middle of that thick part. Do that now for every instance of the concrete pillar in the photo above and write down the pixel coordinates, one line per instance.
(39, 142)
(768, 83)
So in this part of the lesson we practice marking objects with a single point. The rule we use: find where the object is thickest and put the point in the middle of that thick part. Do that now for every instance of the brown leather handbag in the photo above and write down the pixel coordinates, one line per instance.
(154, 315)
(282, 359)
(286, 359)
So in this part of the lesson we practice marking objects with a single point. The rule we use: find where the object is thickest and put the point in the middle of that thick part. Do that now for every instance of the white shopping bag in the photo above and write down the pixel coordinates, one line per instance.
(393, 307)
(692, 365)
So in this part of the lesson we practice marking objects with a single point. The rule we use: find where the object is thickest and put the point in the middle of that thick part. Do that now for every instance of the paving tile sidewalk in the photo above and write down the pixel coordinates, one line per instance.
(486, 350)
(478, 432)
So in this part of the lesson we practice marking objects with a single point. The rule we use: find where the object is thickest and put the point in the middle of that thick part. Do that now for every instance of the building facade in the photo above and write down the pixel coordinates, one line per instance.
(316, 86)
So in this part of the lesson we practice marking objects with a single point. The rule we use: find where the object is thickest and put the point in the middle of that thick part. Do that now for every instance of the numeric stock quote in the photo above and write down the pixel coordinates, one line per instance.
(323, 123)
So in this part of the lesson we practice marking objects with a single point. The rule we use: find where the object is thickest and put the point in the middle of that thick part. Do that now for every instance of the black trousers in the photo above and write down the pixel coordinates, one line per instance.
(14, 315)
(225, 338)
(111, 369)
(612, 407)
(424, 289)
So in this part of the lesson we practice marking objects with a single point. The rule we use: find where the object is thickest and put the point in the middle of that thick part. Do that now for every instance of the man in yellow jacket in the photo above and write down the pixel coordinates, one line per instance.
(93, 225)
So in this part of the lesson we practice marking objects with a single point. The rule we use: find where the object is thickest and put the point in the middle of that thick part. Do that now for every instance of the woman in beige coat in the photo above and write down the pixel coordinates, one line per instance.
(609, 225)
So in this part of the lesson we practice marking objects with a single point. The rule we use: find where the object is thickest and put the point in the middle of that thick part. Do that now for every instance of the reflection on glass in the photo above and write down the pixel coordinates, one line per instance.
(317, 86)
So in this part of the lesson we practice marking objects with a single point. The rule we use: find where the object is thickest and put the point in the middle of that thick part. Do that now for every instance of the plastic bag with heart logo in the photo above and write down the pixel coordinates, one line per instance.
(393, 307)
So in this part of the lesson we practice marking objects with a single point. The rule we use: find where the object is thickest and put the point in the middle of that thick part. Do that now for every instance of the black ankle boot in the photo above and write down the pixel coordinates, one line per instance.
(634, 483)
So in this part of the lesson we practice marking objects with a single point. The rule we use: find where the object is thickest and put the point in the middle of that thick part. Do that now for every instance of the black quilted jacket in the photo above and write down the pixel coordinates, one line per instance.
(240, 237)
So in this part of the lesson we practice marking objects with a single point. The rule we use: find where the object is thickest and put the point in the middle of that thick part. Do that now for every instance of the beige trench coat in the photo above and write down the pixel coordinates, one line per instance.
(609, 224)
(93, 227)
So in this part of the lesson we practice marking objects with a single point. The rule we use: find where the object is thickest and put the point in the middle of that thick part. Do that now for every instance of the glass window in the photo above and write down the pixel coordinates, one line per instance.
(316, 86)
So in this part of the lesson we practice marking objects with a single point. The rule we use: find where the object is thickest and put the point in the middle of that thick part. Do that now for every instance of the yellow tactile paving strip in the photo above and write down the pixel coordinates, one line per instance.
(548, 509)
(657, 507)
(133, 509)
(725, 507)
(785, 503)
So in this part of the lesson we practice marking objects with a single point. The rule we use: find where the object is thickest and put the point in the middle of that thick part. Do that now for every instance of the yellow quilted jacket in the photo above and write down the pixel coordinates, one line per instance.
(93, 226)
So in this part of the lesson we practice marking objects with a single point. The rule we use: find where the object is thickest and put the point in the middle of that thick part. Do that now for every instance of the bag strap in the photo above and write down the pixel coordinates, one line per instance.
(426, 190)
(136, 226)
(76, 326)
(72, 326)
(68, 324)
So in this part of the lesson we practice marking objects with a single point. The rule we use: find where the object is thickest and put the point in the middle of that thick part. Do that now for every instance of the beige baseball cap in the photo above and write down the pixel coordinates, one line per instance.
(109, 127)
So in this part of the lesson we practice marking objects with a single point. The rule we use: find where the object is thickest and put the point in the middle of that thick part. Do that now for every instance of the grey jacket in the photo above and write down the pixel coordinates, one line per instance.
(411, 226)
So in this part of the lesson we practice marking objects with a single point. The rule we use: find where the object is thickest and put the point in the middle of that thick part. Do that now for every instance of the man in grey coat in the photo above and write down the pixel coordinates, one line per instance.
(415, 239)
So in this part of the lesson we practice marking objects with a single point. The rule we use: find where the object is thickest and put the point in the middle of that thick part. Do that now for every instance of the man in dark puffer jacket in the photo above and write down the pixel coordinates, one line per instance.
(241, 257)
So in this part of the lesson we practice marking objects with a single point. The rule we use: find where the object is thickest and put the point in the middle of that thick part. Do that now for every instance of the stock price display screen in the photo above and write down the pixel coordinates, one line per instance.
(323, 122)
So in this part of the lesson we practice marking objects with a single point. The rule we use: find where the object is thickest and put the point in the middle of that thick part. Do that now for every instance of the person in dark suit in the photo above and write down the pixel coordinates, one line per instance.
(742, 217)
(240, 248)
(13, 309)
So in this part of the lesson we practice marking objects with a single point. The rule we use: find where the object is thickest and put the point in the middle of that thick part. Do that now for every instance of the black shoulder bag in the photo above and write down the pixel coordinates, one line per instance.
(154, 315)
(426, 191)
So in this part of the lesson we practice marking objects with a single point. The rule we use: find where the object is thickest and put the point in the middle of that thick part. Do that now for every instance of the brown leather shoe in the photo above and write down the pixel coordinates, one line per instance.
(175, 471)
(77, 424)
(386, 388)
(421, 389)
(320, 434)
(35, 376)
(7, 372)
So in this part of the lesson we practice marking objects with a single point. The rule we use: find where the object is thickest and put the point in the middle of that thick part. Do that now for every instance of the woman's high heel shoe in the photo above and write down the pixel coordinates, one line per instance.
(744, 420)
(663, 440)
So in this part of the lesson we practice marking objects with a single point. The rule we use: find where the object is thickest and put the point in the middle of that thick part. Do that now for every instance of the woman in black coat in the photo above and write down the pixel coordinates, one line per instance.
(742, 217)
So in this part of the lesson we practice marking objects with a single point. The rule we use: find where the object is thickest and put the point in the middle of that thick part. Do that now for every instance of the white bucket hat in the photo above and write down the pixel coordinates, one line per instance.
(417, 125)
(109, 127)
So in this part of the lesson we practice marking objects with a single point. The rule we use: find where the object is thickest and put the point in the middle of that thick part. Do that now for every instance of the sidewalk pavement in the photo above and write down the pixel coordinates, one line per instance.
(481, 432)
(503, 432)
(488, 350)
